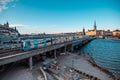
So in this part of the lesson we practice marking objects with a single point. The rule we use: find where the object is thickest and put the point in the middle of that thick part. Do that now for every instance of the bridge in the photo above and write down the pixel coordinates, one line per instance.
(21, 55)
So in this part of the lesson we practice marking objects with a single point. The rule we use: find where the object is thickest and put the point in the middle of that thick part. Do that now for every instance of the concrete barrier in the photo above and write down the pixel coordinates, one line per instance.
(85, 74)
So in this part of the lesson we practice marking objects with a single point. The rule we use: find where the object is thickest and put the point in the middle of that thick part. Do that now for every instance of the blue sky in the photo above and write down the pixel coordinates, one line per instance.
(55, 16)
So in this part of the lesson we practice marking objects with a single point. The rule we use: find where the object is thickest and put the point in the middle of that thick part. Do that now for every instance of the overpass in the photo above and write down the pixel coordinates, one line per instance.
(17, 56)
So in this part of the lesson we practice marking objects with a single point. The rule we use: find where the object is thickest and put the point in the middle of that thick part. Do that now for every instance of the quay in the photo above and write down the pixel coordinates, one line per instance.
(70, 66)
(81, 65)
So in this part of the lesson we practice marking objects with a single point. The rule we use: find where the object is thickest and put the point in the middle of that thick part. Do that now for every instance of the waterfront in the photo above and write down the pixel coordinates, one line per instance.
(105, 53)
(67, 66)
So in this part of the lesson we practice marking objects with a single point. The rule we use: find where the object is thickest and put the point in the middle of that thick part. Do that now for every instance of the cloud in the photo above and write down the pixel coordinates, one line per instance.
(4, 4)
(18, 25)
(3, 7)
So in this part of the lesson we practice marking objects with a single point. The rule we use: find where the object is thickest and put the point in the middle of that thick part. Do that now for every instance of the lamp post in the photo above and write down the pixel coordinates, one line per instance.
(72, 63)
(72, 69)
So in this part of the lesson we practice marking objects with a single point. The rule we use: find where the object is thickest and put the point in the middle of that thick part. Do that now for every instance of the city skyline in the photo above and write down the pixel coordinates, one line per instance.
(59, 16)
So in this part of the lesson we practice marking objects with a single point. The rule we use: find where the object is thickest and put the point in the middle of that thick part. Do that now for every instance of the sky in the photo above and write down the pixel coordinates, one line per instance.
(60, 16)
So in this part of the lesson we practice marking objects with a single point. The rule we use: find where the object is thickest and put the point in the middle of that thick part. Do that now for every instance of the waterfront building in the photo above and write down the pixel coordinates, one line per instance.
(116, 33)
(92, 32)
(108, 33)
(83, 31)
(95, 32)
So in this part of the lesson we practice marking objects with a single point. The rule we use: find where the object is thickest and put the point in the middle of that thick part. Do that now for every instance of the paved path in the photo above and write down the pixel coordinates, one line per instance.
(80, 63)
(19, 73)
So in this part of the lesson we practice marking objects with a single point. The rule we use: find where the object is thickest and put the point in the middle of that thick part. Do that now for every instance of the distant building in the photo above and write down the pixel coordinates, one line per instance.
(92, 32)
(107, 33)
(100, 32)
(83, 31)
(116, 33)
(6, 25)
(8, 34)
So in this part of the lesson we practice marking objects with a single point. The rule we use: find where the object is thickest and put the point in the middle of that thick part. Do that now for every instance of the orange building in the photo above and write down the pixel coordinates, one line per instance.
(92, 32)
(116, 33)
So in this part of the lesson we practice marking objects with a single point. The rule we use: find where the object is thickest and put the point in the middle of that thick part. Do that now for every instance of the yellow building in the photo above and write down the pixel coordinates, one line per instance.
(92, 32)
(116, 33)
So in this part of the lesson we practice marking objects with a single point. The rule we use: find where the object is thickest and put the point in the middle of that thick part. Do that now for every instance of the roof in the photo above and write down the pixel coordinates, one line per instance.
(117, 30)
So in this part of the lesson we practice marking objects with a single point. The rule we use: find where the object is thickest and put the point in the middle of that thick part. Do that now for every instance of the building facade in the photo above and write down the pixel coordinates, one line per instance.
(7, 34)
(92, 32)
(116, 33)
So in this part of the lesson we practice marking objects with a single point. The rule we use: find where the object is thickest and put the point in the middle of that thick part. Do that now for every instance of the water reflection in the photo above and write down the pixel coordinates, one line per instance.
(105, 52)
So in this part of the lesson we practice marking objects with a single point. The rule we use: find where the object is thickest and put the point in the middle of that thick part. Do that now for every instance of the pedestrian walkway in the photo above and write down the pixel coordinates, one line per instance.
(80, 63)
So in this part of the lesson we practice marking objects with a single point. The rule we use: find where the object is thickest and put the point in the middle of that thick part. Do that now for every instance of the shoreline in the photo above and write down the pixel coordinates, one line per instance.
(86, 62)
(111, 38)
(81, 65)
(92, 62)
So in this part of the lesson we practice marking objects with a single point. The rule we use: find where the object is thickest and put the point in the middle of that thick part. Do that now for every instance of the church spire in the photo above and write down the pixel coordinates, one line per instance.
(83, 31)
(7, 24)
(95, 25)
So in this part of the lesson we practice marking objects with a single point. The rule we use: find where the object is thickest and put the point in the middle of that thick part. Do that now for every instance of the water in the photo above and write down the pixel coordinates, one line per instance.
(105, 53)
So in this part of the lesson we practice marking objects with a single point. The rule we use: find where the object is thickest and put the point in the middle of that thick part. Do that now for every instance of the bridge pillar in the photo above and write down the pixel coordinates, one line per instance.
(65, 49)
(44, 57)
(72, 48)
(55, 54)
(30, 63)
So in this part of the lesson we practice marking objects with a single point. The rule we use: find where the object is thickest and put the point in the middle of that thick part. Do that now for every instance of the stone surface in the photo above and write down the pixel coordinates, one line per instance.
(80, 63)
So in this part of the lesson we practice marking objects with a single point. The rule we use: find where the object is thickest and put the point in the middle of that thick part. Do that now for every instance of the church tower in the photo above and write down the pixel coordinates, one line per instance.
(95, 27)
(6, 25)
(83, 31)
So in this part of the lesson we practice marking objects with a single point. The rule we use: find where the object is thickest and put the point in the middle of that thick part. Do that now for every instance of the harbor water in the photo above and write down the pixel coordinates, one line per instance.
(105, 52)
